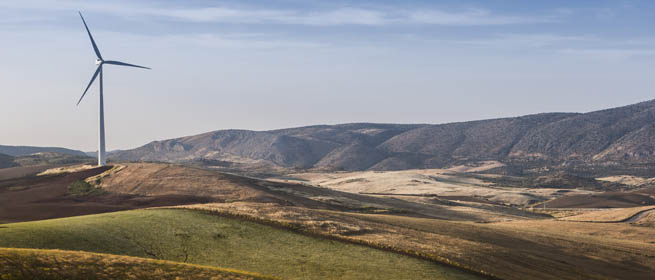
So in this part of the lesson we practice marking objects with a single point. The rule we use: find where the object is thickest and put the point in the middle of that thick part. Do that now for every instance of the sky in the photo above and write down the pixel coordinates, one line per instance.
(272, 64)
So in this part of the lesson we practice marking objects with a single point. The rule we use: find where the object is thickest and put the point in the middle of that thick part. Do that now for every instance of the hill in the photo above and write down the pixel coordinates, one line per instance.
(601, 139)
(28, 150)
(26, 196)
(50, 158)
(6, 161)
(200, 238)
(469, 232)
(33, 156)
(59, 264)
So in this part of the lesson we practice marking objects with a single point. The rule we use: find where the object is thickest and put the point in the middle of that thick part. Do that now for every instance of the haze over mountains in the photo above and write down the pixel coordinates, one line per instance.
(28, 150)
(6, 161)
(613, 136)
(11, 156)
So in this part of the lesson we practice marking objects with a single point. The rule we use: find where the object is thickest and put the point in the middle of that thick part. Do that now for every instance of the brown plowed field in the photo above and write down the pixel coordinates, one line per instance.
(603, 200)
(32, 197)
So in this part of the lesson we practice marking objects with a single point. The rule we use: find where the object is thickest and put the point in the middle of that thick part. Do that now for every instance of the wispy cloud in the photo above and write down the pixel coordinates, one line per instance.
(346, 16)
(609, 54)
(519, 41)
(234, 41)
(264, 16)
(349, 15)
(471, 17)
(573, 46)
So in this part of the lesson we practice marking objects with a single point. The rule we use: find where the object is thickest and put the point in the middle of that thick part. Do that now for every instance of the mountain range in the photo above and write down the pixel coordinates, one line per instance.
(622, 135)
(11, 156)
(6, 161)
(28, 150)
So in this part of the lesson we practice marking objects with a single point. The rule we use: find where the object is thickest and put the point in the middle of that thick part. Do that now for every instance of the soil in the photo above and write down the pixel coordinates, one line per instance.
(33, 197)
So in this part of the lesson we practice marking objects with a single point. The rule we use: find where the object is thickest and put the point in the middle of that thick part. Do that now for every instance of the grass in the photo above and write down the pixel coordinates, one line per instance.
(200, 238)
(82, 188)
(521, 249)
(57, 264)
(609, 216)
(17, 188)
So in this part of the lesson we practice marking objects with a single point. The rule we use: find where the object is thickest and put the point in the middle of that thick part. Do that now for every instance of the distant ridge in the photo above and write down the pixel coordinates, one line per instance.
(623, 135)
(28, 150)
(6, 161)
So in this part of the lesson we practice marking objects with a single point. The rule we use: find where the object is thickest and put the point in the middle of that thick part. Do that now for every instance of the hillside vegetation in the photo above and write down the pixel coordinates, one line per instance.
(72, 265)
(514, 249)
(613, 136)
(200, 238)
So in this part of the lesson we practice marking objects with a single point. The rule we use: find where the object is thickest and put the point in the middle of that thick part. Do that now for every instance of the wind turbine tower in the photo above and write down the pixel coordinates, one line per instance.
(102, 160)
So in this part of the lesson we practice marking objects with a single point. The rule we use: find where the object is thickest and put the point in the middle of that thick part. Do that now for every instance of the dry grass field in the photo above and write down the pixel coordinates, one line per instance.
(59, 264)
(162, 179)
(610, 215)
(452, 182)
(521, 249)
(455, 226)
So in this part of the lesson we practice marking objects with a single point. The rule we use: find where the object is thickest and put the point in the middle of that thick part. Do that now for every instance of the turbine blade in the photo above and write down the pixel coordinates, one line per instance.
(95, 47)
(124, 64)
(91, 82)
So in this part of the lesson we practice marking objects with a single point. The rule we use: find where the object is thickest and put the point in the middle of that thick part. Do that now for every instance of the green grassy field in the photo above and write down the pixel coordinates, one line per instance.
(71, 265)
(200, 238)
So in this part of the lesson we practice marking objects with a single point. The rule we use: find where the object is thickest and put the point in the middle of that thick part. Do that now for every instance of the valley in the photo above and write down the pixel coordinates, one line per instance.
(433, 219)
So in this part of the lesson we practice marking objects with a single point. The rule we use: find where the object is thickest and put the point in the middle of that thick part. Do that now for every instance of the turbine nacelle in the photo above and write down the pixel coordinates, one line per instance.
(100, 61)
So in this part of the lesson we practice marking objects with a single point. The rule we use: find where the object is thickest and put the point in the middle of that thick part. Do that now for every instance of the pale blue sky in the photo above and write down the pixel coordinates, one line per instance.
(275, 64)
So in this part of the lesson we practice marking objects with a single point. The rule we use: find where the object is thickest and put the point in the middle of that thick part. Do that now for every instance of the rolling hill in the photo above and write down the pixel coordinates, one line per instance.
(196, 237)
(72, 265)
(13, 156)
(28, 150)
(6, 161)
(618, 136)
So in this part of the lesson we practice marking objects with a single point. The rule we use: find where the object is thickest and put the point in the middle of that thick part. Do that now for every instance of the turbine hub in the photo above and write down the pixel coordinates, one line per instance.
(98, 61)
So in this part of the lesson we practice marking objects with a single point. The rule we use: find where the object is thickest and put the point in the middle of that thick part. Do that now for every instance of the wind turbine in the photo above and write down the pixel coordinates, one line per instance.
(100, 62)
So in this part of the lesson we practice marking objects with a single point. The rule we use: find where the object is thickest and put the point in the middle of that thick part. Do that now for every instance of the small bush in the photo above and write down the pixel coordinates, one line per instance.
(82, 188)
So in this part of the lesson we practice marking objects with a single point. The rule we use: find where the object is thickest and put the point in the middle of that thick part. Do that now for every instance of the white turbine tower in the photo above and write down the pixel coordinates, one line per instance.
(100, 62)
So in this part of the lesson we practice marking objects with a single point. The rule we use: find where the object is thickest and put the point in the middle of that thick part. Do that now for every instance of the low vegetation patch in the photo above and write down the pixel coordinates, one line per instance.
(82, 188)
(17, 188)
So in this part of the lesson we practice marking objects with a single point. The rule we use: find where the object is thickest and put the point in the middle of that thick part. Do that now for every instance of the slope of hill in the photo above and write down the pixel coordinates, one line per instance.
(41, 159)
(614, 136)
(28, 150)
(151, 179)
(60, 264)
(474, 235)
(200, 238)
(6, 161)
(50, 158)
(25, 196)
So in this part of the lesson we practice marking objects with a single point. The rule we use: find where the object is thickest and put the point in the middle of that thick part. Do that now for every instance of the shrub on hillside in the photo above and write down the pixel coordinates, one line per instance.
(82, 188)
